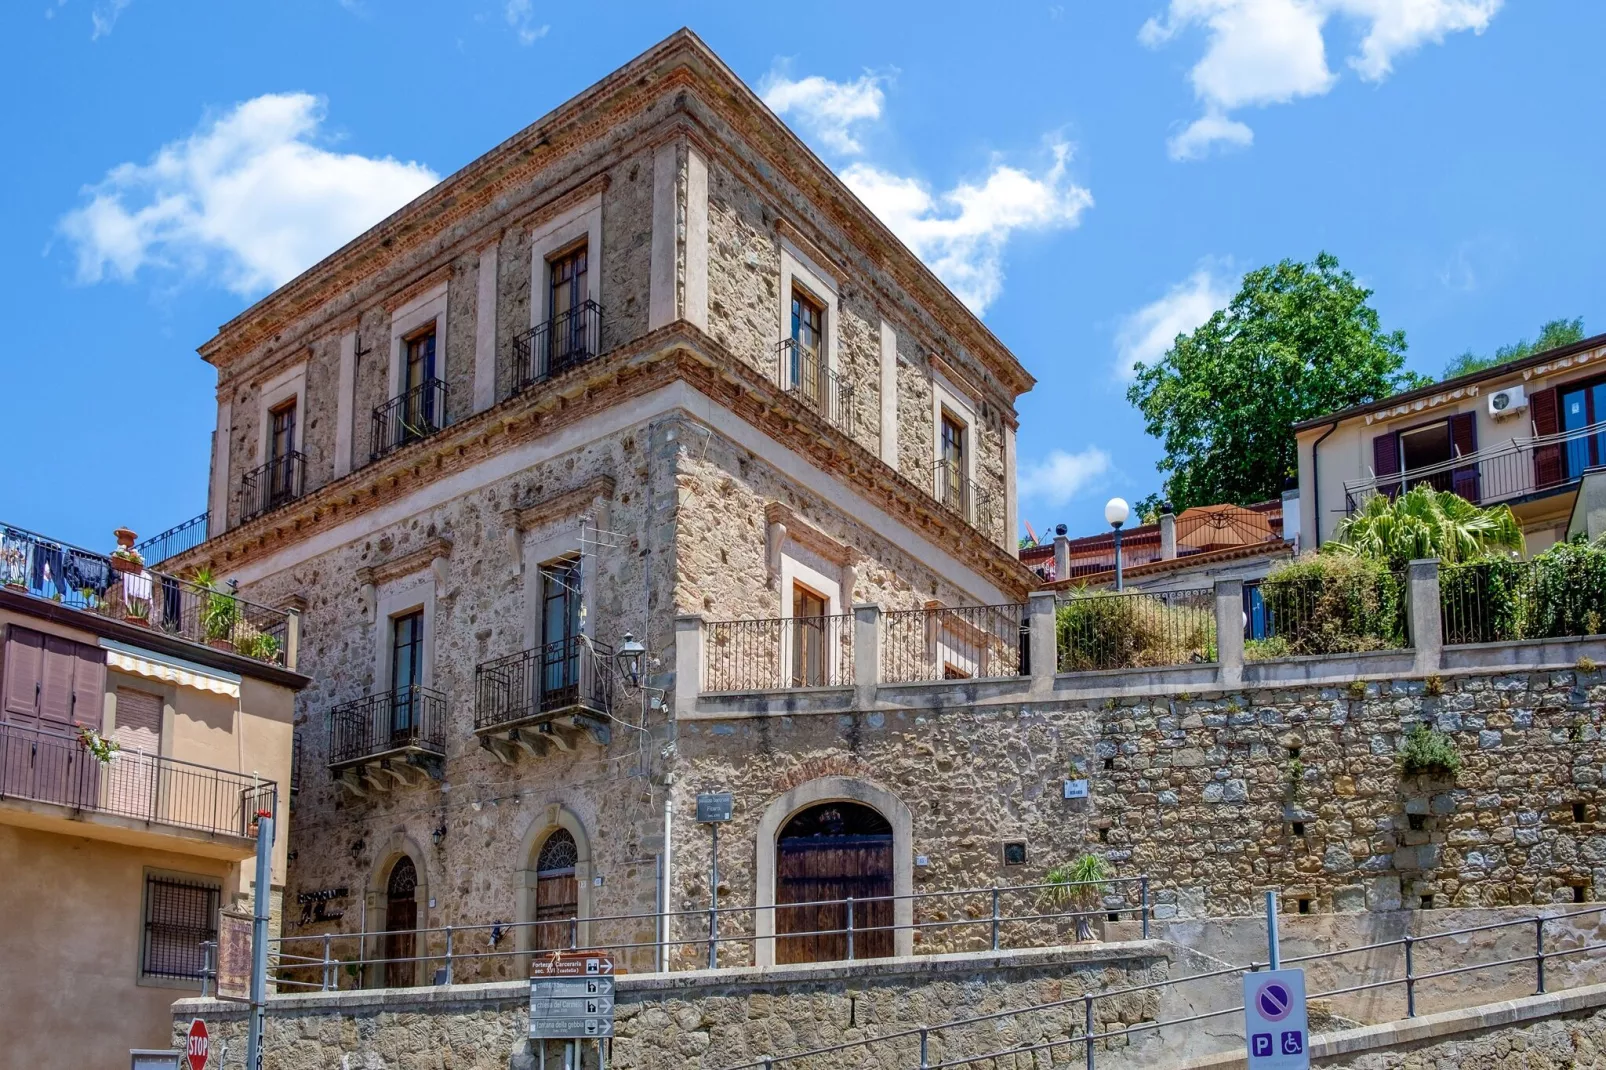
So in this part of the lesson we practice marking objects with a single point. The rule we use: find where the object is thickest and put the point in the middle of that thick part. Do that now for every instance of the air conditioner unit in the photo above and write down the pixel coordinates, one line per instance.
(1507, 402)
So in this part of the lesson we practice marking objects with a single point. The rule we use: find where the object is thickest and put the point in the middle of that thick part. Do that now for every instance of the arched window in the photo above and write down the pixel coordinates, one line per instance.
(557, 892)
(401, 918)
(826, 854)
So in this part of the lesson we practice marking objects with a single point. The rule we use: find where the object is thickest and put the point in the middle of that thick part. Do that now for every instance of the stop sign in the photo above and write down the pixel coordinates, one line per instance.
(199, 1045)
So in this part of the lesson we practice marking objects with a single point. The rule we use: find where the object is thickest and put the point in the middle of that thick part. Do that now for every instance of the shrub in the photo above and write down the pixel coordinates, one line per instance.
(1427, 750)
(1558, 593)
(1078, 886)
(1333, 604)
(1132, 631)
(1273, 646)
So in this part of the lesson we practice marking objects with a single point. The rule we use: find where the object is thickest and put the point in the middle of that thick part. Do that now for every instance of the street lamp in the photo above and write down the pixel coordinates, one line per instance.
(629, 657)
(1116, 511)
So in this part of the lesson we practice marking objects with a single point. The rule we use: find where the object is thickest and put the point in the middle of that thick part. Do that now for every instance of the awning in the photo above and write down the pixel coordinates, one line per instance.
(170, 670)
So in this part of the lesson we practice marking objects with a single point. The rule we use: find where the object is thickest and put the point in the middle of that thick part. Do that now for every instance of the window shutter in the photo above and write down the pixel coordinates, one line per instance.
(89, 685)
(56, 681)
(1464, 437)
(24, 665)
(1386, 461)
(1547, 421)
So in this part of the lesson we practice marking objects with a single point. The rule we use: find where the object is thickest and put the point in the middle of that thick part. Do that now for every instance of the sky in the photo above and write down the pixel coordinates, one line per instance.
(1090, 177)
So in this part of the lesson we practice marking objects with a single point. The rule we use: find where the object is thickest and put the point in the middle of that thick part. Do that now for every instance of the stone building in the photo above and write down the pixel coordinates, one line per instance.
(648, 358)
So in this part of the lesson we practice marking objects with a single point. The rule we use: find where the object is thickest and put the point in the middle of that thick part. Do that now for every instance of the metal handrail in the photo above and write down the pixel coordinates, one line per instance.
(805, 375)
(175, 540)
(548, 349)
(409, 417)
(269, 486)
(1513, 445)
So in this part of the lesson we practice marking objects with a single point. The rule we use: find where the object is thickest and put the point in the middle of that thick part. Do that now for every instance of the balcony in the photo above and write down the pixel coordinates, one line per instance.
(955, 491)
(270, 486)
(804, 376)
(412, 417)
(779, 653)
(544, 698)
(52, 782)
(124, 590)
(389, 739)
(549, 349)
(175, 540)
(1512, 472)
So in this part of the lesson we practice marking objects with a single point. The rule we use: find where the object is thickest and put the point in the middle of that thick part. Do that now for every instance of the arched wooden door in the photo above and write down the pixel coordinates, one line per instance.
(401, 919)
(824, 855)
(557, 892)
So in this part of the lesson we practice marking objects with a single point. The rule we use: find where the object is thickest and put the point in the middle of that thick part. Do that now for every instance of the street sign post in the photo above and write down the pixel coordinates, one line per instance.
(571, 996)
(197, 1046)
(1276, 1029)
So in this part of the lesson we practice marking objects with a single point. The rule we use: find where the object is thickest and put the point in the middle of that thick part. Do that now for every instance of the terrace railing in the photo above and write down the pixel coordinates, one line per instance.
(1506, 601)
(549, 349)
(127, 591)
(955, 491)
(175, 540)
(270, 486)
(954, 642)
(409, 718)
(778, 652)
(804, 375)
(409, 418)
(1135, 629)
(573, 673)
(1299, 615)
(47, 767)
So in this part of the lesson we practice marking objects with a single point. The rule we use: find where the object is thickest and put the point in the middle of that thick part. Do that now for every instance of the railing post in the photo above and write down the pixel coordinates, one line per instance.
(713, 936)
(925, 1055)
(1425, 616)
(1230, 632)
(850, 928)
(1539, 952)
(688, 662)
(1087, 1028)
(866, 653)
(1043, 643)
(995, 917)
(1143, 902)
(1410, 980)
(448, 954)
(1062, 557)
(574, 932)
(292, 638)
(328, 964)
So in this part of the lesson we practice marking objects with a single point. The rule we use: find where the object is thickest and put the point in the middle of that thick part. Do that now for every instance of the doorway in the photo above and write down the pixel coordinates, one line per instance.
(401, 919)
(557, 892)
(826, 854)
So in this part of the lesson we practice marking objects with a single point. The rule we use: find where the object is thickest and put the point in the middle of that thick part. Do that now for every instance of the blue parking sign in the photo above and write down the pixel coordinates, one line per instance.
(1275, 1026)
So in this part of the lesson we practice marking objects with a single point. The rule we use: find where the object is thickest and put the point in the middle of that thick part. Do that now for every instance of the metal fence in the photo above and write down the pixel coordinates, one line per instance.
(412, 416)
(548, 349)
(955, 490)
(1325, 614)
(1135, 629)
(50, 767)
(269, 486)
(971, 919)
(1081, 1028)
(778, 652)
(805, 376)
(1503, 601)
(389, 721)
(175, 540)
(573, 672)
(954, 643)
(125, 590)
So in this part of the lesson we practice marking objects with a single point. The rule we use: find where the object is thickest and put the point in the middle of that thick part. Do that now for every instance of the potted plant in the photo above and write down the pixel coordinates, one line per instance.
(101, 748)
(220, 611)
(125, 558)
(260, 645)
(1077, 886)
(138, 611)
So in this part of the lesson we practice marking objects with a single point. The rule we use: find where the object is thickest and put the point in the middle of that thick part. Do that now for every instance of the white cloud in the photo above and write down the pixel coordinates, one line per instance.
(1144, 336)
(825, 109)
(104, 17)
(961, 233)
(1261, 52)
(248, 198)
(1060, 476)
(521, 17)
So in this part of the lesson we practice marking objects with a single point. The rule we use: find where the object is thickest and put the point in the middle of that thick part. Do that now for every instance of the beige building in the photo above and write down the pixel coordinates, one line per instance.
(647, 358)
(112, 872)
(1520, 434)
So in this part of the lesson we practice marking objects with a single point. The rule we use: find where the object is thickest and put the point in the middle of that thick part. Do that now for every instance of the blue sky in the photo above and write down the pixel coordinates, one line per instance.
(1093, 176)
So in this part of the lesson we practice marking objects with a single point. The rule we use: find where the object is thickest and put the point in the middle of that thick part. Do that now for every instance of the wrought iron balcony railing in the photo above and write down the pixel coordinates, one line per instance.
(779, 652)
(413, 416)
(269, 486)
(125, 589)
(175, 540)
(955, 643)
(954, 489)
(391, 722)
(47, 767)
(574, 674)
(805, 376)
(549, 349)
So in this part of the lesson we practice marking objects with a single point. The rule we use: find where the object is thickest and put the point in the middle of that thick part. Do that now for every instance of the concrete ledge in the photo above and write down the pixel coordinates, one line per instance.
(1431, 1027)
(1524, 654)
(928, 968)
(1330, 668)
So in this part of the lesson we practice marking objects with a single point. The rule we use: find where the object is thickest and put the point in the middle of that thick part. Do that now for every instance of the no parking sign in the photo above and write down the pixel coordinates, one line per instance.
(1275, 1027)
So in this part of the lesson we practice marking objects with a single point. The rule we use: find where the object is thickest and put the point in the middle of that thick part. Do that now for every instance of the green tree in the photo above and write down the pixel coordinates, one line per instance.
(1552, 335)
(1297, 341)
(1424, 522)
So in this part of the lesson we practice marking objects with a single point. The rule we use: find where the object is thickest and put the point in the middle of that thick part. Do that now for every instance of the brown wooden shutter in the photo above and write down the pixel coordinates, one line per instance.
(1386, 461)
(1548, 469)
(56, 682)
(24, 665)
(89, 685)
(1464, 437)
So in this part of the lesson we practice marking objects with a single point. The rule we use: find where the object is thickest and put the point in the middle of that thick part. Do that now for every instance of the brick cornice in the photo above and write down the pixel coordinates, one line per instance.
(406, 564)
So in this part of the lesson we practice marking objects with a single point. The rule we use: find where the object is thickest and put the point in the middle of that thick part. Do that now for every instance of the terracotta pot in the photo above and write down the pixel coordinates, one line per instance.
(221, 644)
(143, 622)
(121, 564)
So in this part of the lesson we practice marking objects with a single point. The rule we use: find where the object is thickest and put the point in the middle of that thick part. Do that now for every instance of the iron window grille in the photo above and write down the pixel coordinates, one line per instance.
(180, 915)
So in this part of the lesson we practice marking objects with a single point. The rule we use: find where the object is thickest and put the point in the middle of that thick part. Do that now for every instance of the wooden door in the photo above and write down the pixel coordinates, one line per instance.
(401, 919)
(557, 892)
(65, 681)
(825, 855)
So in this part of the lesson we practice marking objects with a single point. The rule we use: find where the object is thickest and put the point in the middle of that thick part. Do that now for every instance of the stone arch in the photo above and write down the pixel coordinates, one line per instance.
(834, 789)
(549, 820)
(399, 845)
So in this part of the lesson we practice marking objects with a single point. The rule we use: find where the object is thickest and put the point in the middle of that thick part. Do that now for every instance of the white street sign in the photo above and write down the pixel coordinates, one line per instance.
(1275, 1027)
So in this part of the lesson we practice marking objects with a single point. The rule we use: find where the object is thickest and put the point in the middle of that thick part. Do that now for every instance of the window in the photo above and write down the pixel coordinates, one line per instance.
(406, 673)
(418, 359)
(560, 631)
(566, 297)
(281, 446)
(808, 638)
(951, 472)
(1015, 853)
(1303, 905)
(180, 915)
(418, 416)
(805, 369)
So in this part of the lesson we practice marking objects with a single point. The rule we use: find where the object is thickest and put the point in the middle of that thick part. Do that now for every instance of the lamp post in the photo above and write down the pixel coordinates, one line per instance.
(1116, 511)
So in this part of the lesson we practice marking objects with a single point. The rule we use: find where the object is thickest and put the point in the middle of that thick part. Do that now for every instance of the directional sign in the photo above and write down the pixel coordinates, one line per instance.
(571, 996)
(1275, 1027)
(197, 1045)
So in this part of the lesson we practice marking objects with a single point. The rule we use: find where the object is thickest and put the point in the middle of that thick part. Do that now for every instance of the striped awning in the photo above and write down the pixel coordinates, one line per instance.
(170, 670)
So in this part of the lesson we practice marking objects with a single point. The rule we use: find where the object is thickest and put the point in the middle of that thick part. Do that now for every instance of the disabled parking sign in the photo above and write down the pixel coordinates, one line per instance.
(1275, 1026)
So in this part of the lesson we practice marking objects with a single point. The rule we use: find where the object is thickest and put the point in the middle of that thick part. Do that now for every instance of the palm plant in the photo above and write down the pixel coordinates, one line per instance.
(1424, 522)
(1077, 886)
